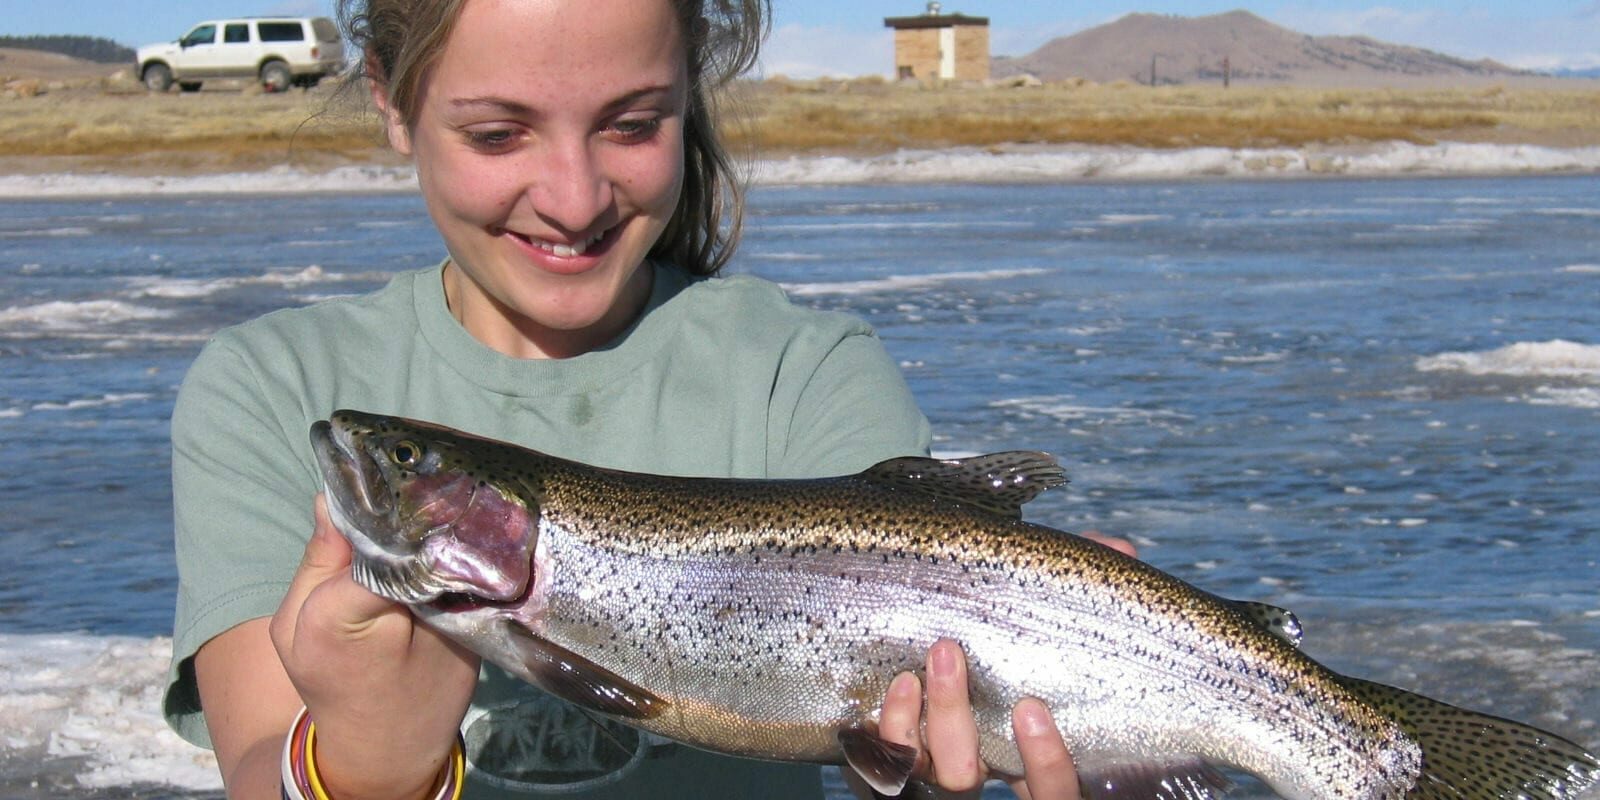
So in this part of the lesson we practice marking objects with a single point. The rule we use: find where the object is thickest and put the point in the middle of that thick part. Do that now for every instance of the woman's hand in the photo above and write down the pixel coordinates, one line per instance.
(387, 694)
(948, 758)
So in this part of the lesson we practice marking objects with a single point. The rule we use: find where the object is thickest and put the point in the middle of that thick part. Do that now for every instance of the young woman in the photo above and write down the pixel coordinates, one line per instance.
(567, 154)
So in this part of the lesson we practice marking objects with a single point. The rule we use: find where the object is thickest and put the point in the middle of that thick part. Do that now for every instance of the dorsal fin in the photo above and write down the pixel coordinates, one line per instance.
(998, 482)
(1280, 622)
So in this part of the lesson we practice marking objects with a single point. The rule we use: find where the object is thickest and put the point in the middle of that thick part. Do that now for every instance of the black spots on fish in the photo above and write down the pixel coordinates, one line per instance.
(1000, 483)
(1279, 622)
(1466, 754)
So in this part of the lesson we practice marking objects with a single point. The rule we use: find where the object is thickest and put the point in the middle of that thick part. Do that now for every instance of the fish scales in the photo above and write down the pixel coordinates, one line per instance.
(983, 568)
(766, 618)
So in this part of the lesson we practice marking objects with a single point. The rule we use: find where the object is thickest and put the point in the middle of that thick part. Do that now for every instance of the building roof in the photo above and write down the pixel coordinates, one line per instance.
(933, 21)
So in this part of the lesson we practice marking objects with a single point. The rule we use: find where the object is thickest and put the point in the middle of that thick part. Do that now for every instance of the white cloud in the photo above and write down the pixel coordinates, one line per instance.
(802, 51)
(1551, 62)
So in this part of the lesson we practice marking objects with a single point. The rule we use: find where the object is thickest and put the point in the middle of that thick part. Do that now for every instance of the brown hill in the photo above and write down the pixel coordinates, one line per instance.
(20, 63)
(1192, 49)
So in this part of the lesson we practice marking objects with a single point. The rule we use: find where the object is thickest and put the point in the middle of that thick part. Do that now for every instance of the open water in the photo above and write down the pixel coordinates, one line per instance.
(1375, 402)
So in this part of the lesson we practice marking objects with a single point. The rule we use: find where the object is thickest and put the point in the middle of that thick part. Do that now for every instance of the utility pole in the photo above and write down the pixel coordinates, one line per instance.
(1227, 72)
(1152, 71)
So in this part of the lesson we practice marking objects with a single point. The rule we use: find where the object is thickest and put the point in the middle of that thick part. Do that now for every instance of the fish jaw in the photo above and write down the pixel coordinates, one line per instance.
(421, 524)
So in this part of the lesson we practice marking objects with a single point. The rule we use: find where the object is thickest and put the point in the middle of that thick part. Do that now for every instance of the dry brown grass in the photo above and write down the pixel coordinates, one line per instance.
(225, 128)
(114, 125)
(873, 116)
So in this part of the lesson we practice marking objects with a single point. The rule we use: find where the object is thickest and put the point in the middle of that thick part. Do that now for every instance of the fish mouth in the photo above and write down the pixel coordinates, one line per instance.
(360, 502)
(353, 481)
(409, 553)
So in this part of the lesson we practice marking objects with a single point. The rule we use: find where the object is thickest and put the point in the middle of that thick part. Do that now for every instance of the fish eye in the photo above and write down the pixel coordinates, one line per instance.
(405, 453)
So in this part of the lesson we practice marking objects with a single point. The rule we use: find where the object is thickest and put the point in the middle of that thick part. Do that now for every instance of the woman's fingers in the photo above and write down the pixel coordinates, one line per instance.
(325, 568)
(952, 732)
(1122, 546)
(1048, 773)
(900, 720)
(948, 740)
(948, 759)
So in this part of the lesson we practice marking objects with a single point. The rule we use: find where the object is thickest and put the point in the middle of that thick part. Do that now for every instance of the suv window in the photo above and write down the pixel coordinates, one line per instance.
(205, 34)
(280, 31)
(236, 33)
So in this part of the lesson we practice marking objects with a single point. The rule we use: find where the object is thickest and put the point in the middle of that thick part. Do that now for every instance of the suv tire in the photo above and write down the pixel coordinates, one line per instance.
(157, 78)
(275, 76)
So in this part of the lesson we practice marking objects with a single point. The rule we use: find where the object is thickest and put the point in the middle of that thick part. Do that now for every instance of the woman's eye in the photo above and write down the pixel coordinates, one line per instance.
(635, 130)
(491, 140)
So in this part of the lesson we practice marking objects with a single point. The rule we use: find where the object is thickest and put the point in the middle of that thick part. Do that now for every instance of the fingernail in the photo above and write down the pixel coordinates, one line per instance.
(904, 685)
(1032, 717)
(942, 660)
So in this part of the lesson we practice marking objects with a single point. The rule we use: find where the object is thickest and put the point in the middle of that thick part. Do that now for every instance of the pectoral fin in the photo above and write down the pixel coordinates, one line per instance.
(884, 765)
(582, 682)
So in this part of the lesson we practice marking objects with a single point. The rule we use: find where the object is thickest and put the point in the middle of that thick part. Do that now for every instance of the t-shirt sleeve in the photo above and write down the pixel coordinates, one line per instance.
(241, 511)
(852, 411)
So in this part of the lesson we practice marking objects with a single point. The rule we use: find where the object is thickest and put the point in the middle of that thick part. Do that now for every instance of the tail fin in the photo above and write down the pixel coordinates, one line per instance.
(1472, 756)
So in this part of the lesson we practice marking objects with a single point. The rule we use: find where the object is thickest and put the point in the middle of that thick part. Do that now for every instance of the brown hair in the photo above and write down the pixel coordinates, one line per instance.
(401, 39)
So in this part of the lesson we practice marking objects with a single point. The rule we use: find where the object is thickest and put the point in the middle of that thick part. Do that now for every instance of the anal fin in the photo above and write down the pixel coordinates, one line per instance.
(886, 766)
(1181, 780)
(582, 682)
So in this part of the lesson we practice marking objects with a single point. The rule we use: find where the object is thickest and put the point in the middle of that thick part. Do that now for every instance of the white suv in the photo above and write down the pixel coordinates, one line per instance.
(279, 51)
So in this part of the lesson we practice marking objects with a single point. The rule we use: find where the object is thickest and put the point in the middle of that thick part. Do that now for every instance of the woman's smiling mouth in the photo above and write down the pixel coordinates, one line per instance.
(560, 250)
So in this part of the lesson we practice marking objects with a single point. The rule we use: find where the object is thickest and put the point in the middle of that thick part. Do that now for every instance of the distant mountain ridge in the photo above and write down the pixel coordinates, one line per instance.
(1193, 49)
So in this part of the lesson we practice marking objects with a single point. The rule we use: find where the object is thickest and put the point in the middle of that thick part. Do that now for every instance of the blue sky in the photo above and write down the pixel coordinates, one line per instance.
(847, 37)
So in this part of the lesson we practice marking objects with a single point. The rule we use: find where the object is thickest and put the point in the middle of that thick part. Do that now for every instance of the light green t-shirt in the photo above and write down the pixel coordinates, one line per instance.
(719, 377)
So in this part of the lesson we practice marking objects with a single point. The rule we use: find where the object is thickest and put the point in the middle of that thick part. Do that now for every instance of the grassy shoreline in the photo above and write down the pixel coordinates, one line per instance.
(107, 126)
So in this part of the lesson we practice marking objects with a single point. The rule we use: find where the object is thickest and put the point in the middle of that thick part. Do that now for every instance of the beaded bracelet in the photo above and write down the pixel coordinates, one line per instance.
(301, 780)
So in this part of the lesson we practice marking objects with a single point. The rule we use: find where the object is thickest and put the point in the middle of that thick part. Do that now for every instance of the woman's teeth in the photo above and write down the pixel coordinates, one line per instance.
(566, 250)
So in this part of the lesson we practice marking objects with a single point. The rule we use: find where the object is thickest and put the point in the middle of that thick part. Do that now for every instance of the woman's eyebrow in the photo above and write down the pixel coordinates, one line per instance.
(638, 94)
(514, 107)
(496, 103)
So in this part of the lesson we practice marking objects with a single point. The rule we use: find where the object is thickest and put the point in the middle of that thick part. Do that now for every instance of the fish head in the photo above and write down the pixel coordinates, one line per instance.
(431, 513)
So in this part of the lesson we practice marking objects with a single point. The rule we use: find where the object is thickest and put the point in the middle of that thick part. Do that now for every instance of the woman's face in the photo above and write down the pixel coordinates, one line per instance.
(548, 141)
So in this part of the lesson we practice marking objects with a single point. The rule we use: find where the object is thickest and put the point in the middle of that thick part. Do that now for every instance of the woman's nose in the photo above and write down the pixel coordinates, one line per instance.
(569, 188)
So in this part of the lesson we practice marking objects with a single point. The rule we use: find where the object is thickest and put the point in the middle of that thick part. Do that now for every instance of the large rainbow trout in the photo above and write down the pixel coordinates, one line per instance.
(765, 618)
